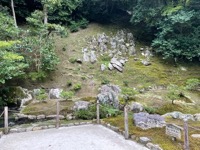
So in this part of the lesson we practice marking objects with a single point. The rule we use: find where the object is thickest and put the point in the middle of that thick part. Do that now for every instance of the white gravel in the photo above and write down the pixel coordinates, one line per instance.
(86, 137)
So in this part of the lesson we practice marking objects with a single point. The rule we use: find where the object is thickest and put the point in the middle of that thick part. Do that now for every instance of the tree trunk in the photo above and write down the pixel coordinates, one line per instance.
(13, 11)
(45, 11)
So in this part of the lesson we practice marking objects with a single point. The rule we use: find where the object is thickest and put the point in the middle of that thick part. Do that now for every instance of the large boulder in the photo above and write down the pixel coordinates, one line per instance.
(148, 121)
(103, 67)
(179, 115)
(93, 57)
(81, 105)
(109, 95)
(55, 93)
(136, 107)
(197, 117)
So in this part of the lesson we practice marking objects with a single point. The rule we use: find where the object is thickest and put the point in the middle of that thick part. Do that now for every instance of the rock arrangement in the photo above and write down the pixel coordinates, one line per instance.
(109, 95)
(146, 121)
(116, 47)
(179, 115)
(23, 117)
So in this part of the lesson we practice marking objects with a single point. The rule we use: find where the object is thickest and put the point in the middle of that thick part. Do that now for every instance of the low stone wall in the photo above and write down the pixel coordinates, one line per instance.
(42, 117)
(142, 140)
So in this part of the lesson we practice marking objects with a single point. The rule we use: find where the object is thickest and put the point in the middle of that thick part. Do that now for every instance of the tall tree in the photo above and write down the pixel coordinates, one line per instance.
(13, 12)
(49, 5)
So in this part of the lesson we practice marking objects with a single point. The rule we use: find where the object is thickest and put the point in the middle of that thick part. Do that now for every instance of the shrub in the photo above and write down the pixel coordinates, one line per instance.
(130, 92)
(83, 23)
(34, 76)
(69, 83)
(150, 110)
(77, 87)
(192, 84)
(67, 94)
(125, 83)
(74, 27)
(105, 81)
(42, 95)
(72, 60)
(89, 114)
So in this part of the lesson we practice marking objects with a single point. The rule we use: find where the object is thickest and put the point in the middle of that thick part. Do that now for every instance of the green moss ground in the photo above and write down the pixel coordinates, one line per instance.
(157, 135)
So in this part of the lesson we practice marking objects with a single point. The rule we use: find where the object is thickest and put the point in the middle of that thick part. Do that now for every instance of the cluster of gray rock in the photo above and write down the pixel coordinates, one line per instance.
(179, 115)
(113, 46)
(23, 117)
(109, 95)
(148, 121)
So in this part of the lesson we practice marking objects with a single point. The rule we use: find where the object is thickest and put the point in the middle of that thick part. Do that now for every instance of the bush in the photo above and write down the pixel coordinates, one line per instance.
(72, 60)
(69, 83)
(150, 110)
(77, 87)
(130, 92)
(192, 84)
(105, 81)
(67, 94)
(89, 114)
(74, 27)
(42, 95)
(83, 23)
(34, 76)
(125, 83)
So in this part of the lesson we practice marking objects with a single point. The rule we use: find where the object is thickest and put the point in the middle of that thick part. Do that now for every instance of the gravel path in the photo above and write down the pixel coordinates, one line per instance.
(86, 137)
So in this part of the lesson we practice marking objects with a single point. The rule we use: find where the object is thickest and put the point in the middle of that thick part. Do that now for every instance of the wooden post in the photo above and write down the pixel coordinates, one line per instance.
(186, 138)
(57, 114)
(126, 135)
(6, 120)
(98, 115)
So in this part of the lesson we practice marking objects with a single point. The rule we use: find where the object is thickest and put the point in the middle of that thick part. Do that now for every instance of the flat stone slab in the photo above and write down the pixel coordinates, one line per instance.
(85, 137)
(196, 136)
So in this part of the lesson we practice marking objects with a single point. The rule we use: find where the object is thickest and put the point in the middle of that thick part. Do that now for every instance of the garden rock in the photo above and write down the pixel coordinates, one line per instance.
(144, 140)
(136, 107)
(81, 105)
(196, 136)
(54, 116)
(147, 121)
(39, 117)
(109, 95)
(146, 63)
(110, 66)
(31, 117)
(197, 117)
(152, 146)
(93, 57)
(69, 116)
(55, 93)
(103, 67)
(86, 57)
(179, 115)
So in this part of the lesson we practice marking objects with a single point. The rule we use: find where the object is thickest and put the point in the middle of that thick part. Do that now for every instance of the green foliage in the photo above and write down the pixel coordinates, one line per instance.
(42, 95)
(174, 92)
(83, 23)
(192, 84)
(7, 29)
(150, 110)
(125, 82)
(8, 58)
(69, 83)
(104, 80)
(72, 60)
(67, 94)
(128, 92)
(74, 27)
(105, 111)
(77, 87)
(34, 76)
